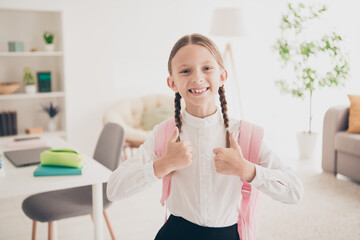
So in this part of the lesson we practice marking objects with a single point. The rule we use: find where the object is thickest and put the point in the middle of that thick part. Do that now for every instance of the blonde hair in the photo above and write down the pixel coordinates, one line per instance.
(198, 39)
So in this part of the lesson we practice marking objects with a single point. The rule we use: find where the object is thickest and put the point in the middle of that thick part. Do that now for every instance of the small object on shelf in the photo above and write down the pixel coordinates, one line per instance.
(34, 50)
(44, 81)
(49, 38)
(34, 130)
(29, 81)
(16, 46)
(8, 88)
(52, 111)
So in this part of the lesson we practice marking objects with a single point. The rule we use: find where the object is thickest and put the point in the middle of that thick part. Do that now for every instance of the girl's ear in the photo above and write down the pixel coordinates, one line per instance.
(171, 84)
(223, 77)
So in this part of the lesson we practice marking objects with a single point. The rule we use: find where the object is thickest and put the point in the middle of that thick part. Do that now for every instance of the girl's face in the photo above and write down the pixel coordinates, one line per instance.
(197, 76)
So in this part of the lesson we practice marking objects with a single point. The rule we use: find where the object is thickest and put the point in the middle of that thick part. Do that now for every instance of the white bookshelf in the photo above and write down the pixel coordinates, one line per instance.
(28, 26)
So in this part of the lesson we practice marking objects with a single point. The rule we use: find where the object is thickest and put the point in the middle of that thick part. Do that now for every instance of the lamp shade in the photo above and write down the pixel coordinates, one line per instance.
(227, 22)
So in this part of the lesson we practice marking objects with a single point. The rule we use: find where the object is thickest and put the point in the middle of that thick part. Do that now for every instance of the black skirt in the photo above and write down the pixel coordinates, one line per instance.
(178, 228)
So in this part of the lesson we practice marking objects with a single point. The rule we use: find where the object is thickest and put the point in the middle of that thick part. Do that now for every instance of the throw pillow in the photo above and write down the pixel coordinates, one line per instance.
(354, 114)
(155, 116)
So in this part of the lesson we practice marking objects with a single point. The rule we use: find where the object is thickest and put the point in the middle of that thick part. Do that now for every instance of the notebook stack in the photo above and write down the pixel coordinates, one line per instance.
(60, 162)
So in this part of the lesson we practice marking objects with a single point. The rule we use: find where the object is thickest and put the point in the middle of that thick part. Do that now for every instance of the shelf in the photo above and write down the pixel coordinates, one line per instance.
(30, 54)
(32, 96)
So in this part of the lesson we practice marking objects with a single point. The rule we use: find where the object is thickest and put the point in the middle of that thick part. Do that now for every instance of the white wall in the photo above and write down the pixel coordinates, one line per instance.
(119, 48)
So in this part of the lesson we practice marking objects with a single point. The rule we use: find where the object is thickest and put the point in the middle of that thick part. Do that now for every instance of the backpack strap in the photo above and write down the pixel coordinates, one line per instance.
(162, 137)
(250, 141)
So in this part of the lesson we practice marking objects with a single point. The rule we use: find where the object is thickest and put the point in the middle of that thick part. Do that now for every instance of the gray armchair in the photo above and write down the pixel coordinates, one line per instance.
(340, 150)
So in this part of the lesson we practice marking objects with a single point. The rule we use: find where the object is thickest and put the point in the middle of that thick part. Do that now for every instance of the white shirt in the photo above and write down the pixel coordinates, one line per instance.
(198, 193)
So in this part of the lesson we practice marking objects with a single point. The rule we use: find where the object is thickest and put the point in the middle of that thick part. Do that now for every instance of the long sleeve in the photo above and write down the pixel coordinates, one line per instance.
(275, 179)
(135, 174)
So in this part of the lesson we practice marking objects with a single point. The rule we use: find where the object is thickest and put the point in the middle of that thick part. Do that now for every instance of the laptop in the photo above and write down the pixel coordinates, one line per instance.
(25, 157)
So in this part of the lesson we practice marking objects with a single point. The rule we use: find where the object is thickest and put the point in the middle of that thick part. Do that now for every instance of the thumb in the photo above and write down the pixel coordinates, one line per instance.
(233, 143)
(174, 135)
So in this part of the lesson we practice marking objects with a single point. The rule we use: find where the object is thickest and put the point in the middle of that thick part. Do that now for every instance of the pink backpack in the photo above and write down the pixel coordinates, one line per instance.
(250, 141)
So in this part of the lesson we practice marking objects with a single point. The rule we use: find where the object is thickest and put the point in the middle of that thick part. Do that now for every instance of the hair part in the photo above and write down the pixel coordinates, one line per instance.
(198, 39)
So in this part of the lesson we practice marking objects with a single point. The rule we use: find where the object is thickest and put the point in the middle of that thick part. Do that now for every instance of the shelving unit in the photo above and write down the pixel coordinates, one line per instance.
(28, 26)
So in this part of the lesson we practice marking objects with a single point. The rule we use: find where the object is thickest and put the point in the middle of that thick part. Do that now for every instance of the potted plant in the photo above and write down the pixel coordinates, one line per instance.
(52, 111)
(302, 55)
(29, 80)
(49, 40)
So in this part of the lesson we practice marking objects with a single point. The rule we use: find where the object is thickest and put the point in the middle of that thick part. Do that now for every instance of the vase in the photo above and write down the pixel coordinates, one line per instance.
(30, 88)
(307, 144)
(52, 124)
(49, 47)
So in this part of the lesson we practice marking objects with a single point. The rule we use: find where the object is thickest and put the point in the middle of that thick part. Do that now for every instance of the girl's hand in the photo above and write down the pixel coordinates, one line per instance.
(230, 161)
(178, 155)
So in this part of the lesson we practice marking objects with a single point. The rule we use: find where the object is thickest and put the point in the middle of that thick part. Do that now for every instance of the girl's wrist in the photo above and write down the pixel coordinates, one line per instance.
(251, 172)
(160, 168)
(247, 172)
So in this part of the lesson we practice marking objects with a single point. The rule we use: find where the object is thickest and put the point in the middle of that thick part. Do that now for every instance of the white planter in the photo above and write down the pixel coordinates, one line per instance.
(49, 47)
(52, 124)
(307, 144)
(30, 89)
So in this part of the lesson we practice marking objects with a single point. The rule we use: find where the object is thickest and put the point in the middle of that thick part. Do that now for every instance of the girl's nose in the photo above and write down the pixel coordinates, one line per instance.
(200, 80)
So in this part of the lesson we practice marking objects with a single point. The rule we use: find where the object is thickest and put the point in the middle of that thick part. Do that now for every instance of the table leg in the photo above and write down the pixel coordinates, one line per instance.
(97, 196)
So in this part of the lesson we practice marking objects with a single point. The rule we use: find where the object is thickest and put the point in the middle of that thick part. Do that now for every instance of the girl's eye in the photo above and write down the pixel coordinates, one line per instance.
(185, 71)
(207, 68)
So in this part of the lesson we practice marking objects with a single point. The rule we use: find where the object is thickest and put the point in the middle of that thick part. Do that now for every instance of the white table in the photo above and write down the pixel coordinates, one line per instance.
(20, 181)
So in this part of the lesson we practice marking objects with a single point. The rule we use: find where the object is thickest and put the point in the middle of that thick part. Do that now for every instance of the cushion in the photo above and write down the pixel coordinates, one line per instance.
(347, 143)
(154, 116)
(354, 114)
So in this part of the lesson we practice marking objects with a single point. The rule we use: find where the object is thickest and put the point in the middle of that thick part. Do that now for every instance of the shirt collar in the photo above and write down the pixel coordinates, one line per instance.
(206, 122)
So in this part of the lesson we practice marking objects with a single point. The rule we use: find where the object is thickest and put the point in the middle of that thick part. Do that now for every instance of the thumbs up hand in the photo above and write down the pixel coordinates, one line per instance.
(230, 161)
(178, 155)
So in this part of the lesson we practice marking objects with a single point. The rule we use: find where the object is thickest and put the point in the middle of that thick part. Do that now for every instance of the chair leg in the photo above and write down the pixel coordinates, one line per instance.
(33, 234)
(107, 223)
(50, 231)
(109, 226)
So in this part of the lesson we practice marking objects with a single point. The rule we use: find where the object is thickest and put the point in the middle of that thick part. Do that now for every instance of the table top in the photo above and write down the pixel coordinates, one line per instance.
(21, 181)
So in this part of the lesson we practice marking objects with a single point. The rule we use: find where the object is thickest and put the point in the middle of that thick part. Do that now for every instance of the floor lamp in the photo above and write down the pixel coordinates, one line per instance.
(227, 22)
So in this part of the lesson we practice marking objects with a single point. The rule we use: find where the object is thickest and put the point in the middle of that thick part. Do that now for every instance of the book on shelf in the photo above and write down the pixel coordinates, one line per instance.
(2, 125)
(44, 81)
(8, 123)
(14, 122)
(44, 170)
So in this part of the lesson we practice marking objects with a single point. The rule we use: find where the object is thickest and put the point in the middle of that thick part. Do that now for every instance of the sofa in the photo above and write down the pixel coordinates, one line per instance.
(340, 149)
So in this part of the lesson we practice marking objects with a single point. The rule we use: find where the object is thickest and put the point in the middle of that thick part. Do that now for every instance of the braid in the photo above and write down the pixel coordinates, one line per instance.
(177, 110)
(224, 106)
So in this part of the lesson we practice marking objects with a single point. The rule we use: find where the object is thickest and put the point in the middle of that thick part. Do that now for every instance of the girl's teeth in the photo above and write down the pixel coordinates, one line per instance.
(197, 91)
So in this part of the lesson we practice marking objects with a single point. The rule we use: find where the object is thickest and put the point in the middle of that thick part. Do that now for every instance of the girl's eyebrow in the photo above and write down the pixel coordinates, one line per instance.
(186, 65)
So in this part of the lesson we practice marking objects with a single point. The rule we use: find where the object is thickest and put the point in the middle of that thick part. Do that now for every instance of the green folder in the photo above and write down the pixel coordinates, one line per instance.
(56, 171)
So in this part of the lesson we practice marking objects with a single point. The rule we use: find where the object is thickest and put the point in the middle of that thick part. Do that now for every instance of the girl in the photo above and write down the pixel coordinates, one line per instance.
(206, 177)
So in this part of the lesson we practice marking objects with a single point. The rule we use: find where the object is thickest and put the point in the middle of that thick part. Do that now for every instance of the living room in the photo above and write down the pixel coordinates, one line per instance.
(114, 50)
